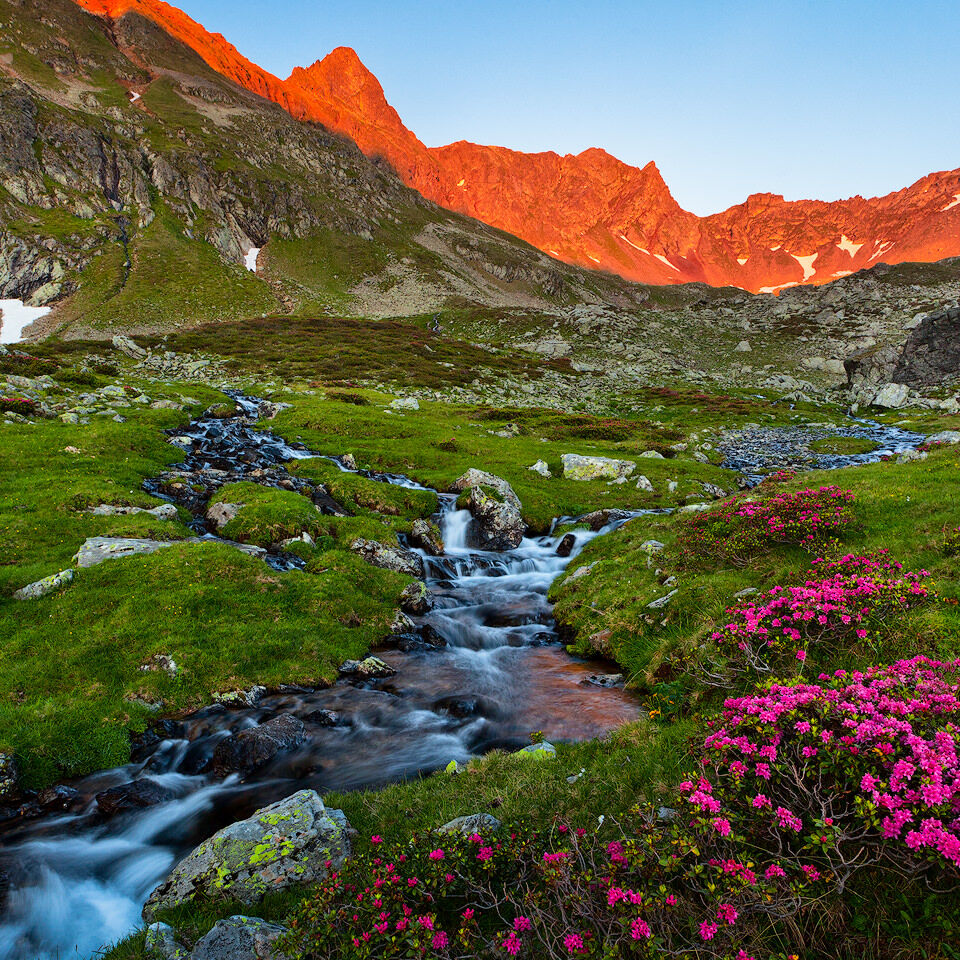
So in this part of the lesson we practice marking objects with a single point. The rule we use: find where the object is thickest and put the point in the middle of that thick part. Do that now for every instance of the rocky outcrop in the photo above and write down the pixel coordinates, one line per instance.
(931, 355)
(293, 842)
(426, 535)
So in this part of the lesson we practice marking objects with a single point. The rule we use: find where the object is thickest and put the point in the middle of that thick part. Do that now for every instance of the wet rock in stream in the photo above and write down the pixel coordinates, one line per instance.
(249, 749)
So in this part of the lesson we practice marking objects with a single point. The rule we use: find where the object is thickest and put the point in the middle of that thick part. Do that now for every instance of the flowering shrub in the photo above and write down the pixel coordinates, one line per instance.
(745, 526)
(17, 405)
(799, 788)
(855, 600)
(826, 778)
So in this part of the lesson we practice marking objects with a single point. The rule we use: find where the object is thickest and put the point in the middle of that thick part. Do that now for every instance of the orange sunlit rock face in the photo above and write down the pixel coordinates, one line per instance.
(591, 209)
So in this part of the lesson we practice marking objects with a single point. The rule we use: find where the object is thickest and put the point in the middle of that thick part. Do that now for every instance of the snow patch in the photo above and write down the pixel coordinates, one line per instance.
(554, 253)
(742, 260)
(842, 273)
(848, 245)
(15, 315)
(950, 206)
(632, 244)
(780, 286)
(884, 246)
(134, 96)
(250, 258)
(807, 264)
(593, 258)
(462, 181)
(663, 259)
(776, 248)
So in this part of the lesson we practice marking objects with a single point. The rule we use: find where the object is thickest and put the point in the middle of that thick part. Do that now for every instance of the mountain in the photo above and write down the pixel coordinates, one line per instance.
(139, 178)
(591, 209)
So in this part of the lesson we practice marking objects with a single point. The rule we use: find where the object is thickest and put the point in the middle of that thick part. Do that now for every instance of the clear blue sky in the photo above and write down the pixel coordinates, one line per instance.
(814, 98)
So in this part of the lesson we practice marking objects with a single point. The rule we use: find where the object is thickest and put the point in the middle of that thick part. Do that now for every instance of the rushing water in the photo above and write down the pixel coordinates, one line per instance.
(77, 880)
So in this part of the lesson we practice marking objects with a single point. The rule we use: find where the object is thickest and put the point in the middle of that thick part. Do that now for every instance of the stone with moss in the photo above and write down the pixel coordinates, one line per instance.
(296, 841)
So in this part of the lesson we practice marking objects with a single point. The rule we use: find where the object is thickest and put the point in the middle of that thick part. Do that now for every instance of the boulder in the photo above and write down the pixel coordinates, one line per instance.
(893, 396)
(97, 549)
(128, 348)
(133, 796)
(252, 748)
(166, 511)
(743, 347)
(415, 599)
(371, 668)
(643, 483)
(598, 519)
(576, 467)
(483, 824)
(499, 523)
(240, 938)
(480, 478)
(389, 557)
(426, 536)
(566, 545)
(220, 514)
(161, 941)
(41, 588)
(286, 844)
(605, 679)
(542, 468)
(945, 436)
(544, 750)
(405, 403)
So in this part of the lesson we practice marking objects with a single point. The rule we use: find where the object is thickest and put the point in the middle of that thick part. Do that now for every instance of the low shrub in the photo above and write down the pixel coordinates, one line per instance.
(951, 543)
(747, 525)
(801, 787)
(19, 405)
(857, 600)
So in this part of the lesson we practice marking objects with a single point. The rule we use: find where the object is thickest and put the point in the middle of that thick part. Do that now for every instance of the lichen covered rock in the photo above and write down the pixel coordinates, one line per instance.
(285, 844)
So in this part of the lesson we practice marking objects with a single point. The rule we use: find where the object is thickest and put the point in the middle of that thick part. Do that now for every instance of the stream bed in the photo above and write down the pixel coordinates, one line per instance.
(76, 880)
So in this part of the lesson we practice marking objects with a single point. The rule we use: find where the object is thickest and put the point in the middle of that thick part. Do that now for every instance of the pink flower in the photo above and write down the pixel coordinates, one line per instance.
(708, 930)
(435, 854)
(522, 923)
(639, 928)
(573, 942)
(512, 944)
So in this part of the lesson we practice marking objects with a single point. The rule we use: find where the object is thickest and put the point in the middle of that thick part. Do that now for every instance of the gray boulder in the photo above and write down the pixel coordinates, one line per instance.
(499, 523)
(97, 549)
(389, 557)
(252, 748)
(945, 436)
(893, 396)
(9, 778)
(371, 668)
(220, 514)
(286, 844)
(482, 823)
(240, 938)
(42, 587)
(426, 536)
(166, 511)
(161, 942)
(576, 467)
(128, 348)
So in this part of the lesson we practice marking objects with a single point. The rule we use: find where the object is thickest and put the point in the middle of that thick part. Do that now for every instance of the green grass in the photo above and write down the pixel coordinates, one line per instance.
(843, 445)
(173, 280)
(438, 443)
(900, 507)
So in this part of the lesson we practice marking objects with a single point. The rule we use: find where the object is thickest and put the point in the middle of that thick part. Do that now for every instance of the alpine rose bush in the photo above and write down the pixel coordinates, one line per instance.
(747, 525)
(855, 601)
(799, 787)
(20, 405)
(852, 770)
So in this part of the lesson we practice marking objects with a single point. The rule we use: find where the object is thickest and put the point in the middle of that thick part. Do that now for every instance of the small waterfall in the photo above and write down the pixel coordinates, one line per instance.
(77, 881)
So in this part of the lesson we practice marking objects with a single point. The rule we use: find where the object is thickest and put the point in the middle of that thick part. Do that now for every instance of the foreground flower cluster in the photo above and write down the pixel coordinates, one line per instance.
(856, 599)
(800, 787)
(745, 526)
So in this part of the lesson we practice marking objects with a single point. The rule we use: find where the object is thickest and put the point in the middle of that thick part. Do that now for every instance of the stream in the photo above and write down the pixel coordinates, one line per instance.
(76, 880)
